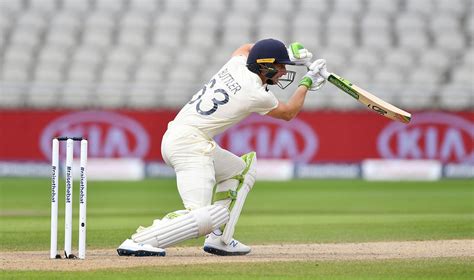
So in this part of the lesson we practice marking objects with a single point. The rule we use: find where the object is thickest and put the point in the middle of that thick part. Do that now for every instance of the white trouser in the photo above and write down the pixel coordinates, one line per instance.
(198, 162)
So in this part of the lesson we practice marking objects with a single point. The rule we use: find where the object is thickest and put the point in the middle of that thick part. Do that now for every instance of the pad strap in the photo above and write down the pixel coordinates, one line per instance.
(224, 195)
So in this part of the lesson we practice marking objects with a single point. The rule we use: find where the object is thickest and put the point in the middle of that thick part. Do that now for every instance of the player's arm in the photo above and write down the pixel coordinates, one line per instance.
(287, 111)
(311, 81)
(243, 50)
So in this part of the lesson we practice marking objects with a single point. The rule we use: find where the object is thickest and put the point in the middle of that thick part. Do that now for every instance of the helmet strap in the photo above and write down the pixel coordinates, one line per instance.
(267, 70)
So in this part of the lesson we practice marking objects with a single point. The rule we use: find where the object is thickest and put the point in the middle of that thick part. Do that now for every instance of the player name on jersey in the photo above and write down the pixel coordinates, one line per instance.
(229, 81)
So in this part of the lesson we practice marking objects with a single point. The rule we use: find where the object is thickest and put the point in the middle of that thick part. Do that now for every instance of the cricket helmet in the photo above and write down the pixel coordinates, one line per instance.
(264, 54)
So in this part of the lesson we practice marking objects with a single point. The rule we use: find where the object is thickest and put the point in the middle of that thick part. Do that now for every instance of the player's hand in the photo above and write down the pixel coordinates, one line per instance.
(298, 54)
(319, 66)
(316, 76)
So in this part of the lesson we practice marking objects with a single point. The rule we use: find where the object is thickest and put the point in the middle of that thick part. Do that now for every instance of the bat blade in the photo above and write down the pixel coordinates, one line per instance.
(371, 101)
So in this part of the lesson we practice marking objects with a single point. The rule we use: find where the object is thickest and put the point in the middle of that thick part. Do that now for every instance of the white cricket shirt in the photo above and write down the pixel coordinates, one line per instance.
(231, 95)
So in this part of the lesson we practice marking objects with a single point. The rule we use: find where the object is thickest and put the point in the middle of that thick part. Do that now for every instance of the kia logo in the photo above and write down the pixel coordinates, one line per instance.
(109, 134)
(441, 136)
(271, 138)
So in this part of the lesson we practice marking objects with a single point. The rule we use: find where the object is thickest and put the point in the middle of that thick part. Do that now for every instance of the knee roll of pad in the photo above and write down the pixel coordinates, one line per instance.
(250, 172)
(179, 228)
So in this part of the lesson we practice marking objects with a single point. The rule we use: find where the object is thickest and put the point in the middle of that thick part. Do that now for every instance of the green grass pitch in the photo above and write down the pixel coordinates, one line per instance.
(299, 211)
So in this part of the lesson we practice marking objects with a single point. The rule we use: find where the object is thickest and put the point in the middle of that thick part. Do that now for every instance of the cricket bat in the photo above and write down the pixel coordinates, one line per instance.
(371, 101)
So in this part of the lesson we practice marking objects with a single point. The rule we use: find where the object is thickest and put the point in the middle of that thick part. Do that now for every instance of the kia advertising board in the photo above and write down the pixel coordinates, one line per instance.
(441, 136)
(313, 137)
(271, 138)
(110, 134)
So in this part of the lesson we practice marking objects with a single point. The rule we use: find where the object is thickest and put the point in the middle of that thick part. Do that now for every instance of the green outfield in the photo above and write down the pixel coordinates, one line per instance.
(300, 211)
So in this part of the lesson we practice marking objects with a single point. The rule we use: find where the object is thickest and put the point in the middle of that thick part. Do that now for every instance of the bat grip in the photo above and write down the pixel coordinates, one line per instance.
(325, 74)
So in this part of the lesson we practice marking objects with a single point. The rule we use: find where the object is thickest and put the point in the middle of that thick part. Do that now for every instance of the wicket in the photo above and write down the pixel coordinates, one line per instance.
(68, 198)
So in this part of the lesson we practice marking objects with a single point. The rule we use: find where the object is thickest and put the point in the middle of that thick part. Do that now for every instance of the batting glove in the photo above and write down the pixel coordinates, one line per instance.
(298, 54)
(315, 78)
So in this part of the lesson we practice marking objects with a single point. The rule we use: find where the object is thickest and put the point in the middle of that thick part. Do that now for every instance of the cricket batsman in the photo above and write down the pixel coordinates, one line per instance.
(212, 182)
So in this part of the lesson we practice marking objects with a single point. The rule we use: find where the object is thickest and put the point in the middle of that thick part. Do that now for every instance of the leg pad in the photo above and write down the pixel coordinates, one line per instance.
(238, 196)
(186, 225)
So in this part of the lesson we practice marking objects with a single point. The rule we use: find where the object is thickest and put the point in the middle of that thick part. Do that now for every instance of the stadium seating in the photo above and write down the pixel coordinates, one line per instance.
(157, 53)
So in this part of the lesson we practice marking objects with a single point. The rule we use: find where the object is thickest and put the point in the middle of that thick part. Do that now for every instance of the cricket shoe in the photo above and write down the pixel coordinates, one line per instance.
(132, 248)
(214, 245)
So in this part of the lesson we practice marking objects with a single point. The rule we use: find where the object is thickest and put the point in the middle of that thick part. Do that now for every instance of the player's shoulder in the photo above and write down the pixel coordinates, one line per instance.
(238, 60)
(236, 67)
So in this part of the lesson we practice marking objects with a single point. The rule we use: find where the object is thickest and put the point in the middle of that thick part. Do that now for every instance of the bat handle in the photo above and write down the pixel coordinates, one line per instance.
(324, 73)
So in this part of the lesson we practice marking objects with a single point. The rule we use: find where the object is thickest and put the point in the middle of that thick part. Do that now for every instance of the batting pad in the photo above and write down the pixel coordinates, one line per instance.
(192, 224)
(246, 182)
